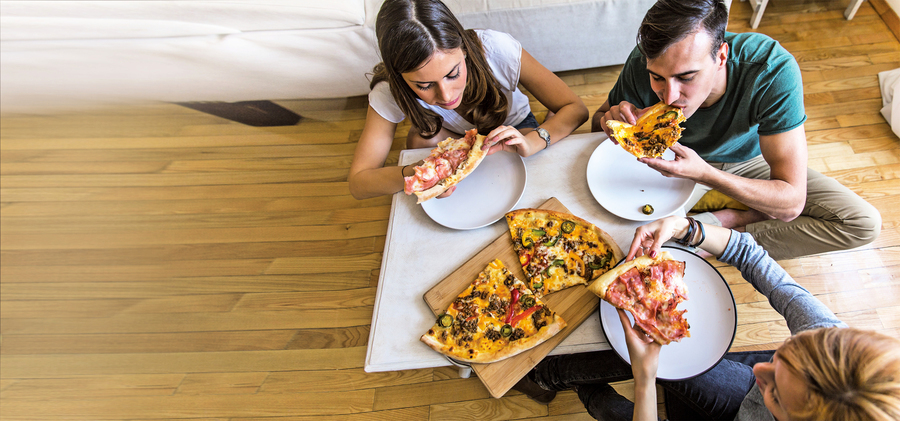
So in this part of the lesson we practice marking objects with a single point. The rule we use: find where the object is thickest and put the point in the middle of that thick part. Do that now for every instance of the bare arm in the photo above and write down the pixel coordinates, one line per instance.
(782, 196)
(368, 175)
(551, 92)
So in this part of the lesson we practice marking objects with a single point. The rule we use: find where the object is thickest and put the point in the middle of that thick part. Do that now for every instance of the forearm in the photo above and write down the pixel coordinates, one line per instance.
(775, 198)
(377, 181)
(644, 400)
(596, 125)
(714, 239)
(801, 310)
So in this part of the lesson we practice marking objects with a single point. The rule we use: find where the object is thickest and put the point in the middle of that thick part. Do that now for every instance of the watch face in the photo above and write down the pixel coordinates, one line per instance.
(542, 132)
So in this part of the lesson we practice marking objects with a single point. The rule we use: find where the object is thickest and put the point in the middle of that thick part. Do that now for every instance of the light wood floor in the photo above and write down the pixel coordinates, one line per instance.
(158, 262)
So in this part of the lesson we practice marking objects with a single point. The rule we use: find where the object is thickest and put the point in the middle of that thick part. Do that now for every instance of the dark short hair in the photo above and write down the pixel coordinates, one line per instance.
(670, 21)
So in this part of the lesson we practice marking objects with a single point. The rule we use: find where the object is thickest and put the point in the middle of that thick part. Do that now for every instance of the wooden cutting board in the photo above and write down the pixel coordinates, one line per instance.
(574, 304)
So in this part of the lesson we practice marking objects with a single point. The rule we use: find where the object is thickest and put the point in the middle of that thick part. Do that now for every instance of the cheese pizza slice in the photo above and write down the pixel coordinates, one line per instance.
(656, 130)
(449, 163)
(651, 289)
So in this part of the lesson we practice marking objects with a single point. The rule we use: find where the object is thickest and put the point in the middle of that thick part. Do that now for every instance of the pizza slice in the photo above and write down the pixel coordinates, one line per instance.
(449, 163)
(656, 130)
(651, 289)
(494, 318)
(559, 250)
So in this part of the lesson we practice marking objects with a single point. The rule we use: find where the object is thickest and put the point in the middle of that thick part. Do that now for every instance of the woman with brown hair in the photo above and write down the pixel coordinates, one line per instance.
(825, 371)
(448, 80)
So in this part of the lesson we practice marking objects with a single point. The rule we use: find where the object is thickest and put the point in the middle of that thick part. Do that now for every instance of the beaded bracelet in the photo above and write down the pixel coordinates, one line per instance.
(702, 234)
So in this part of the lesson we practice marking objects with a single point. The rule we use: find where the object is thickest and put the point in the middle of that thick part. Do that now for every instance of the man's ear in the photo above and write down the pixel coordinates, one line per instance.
(722, 55)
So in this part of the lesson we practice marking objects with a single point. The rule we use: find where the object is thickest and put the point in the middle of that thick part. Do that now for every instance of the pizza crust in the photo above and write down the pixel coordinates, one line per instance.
(601, 285)
(476, 155)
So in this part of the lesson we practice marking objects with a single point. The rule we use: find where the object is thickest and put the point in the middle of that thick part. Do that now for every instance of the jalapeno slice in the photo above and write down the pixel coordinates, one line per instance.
(537, 285)
(506, 330)
(527, 242)
(538, 232)
(552, 241)
(445, 320)
(647, 209)
(568, 227)
(527, 302)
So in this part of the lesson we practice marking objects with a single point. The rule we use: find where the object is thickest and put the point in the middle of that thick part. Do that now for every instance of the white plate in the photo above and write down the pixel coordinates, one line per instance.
(623, 185)
(483, 197)
(710, 312)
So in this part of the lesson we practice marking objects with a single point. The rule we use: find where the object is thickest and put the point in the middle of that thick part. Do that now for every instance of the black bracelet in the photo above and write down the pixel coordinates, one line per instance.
(689, 235)
(702, 234)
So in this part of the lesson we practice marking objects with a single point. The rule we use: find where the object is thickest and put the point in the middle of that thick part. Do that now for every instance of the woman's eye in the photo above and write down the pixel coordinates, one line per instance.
(424, 88)
(451, 77)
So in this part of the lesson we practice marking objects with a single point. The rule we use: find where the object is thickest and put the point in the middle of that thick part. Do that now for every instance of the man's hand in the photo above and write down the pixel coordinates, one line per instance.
(687, 164)
(625, 111)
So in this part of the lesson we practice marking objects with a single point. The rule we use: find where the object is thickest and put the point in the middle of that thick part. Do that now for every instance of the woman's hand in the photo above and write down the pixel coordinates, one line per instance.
(510, 139)
(648, 239)
(643, 350)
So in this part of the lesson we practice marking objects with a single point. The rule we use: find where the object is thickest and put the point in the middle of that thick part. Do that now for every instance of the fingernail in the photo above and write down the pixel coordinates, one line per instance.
(653, 253)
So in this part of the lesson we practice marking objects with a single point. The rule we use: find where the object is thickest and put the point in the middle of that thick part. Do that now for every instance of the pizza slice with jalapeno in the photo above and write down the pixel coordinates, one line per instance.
(558, 250)
(656, 130)
(494, 318)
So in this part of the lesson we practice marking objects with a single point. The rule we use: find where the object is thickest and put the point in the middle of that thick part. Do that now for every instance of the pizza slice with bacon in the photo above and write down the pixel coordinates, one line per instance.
(449, 163)
(651, 289)
(656, 130)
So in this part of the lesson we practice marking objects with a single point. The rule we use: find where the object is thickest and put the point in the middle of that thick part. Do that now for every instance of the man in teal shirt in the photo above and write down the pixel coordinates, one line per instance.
(743, 97)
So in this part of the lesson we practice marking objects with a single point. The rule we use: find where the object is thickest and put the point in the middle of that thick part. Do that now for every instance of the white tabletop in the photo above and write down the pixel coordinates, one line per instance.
(419, 253)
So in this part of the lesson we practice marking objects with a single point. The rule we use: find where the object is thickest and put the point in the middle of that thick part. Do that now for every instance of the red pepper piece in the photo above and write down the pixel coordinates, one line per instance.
(523, 315)
(512, 304)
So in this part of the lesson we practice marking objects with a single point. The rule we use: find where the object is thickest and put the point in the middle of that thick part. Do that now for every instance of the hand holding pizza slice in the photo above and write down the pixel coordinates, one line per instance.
(654, 132)
(449, 163)
(651, 289)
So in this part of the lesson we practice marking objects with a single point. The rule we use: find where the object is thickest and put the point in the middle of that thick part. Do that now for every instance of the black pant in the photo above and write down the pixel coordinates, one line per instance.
(714, 395)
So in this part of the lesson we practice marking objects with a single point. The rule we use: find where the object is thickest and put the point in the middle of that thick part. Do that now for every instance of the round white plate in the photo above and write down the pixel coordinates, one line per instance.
(710, 312)
(623, 185)
(485, 196)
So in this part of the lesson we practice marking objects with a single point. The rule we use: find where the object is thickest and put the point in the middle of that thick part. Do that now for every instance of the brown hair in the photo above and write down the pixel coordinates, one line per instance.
(411, 31)
(670, 21)
(852, 374)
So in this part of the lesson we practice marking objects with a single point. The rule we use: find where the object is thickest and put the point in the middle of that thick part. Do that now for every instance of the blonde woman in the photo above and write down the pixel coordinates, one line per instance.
(824, 371)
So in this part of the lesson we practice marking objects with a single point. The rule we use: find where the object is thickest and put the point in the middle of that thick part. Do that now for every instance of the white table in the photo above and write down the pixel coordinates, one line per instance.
(415, 242)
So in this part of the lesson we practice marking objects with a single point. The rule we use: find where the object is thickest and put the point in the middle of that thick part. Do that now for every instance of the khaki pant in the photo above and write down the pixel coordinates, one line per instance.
(834, 217)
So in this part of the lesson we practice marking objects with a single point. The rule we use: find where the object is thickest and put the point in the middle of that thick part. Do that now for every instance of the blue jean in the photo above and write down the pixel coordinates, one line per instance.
(529, 122)
(714, 395)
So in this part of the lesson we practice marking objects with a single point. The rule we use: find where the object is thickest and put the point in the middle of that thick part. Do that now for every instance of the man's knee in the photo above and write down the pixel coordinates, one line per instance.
(863, 227)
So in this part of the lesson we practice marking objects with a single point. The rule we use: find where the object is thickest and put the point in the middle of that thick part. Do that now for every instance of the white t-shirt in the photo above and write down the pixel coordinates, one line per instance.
(504, 55)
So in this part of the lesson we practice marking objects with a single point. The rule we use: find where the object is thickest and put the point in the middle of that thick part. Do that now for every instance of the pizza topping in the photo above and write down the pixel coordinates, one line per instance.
(445, 320)
(567, 227)
(647, 209)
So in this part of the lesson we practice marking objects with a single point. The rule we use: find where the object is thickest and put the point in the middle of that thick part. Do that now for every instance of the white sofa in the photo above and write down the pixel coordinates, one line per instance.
(64, 54)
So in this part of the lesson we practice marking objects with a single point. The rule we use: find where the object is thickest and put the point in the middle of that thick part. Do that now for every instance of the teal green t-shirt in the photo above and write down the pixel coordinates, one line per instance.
(764, 96)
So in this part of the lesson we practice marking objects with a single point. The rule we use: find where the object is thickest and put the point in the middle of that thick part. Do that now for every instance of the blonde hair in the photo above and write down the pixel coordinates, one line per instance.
(852, 374)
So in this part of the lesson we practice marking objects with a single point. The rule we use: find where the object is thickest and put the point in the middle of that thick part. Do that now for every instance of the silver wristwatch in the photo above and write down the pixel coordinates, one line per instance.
(543, 135)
